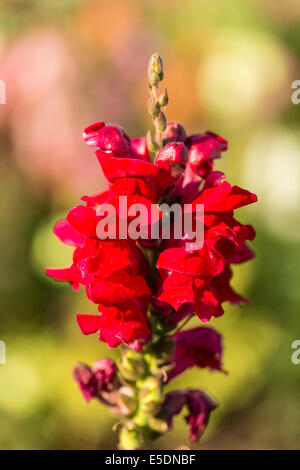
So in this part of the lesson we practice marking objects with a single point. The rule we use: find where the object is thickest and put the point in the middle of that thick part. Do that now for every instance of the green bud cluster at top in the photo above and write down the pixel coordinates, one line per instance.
(156, 102)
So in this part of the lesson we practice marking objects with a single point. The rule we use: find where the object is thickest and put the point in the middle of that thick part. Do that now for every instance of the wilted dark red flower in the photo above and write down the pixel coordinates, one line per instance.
(101, 377)
(199, 406)
(83, 375)
(197, 347)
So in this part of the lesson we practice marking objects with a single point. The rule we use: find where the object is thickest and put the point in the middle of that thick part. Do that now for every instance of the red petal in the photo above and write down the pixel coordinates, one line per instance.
(202, 263)
(64, 274)
(123, 322)
(140, 149)
(83, 219)
(120, 287)
(91, 133)
(88, 324)
(93, 200)
(224, 198)
(114, 167)
(67, 234)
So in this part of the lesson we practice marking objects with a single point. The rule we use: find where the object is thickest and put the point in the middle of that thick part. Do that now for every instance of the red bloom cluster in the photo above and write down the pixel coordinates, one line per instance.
(198, 281)
(183, 281)
(115, 272)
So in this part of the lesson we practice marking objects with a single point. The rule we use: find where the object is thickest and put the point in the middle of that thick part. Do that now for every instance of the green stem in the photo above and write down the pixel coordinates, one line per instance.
(145, 372)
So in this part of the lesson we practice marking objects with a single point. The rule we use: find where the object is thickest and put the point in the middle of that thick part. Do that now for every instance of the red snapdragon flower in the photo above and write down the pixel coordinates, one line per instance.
(115, 273)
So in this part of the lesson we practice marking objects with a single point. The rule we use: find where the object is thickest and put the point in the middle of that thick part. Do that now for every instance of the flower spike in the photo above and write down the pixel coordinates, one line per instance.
(144, 286)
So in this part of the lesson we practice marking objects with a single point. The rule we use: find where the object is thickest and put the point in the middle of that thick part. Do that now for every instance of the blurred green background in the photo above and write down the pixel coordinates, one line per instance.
(229, 66)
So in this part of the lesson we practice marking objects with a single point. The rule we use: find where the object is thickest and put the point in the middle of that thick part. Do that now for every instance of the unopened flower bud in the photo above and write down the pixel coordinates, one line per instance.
(153, 78)
(174, 132)
(126, 401)
(151, 145)
(151, 394)
(108, 138)
(158, 425)
(174, 157)
(155, 63)
(163, 98)
(132, 365)
(161, 121)
(153, 106)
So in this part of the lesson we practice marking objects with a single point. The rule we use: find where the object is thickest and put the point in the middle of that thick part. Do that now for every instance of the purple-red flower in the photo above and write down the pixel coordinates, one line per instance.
(199, 406)
(197, 347)
(94, 381)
